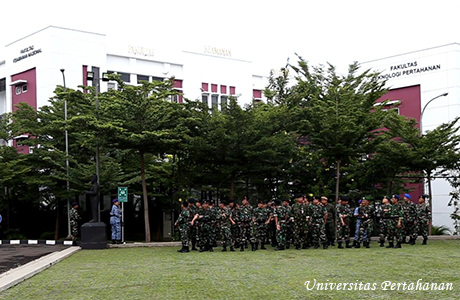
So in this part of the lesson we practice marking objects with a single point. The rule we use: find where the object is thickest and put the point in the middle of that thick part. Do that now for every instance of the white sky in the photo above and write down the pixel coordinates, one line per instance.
(268, 32)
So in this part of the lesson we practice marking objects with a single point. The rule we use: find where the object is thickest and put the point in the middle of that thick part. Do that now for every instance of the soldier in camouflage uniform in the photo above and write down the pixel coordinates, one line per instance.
(366, 214)
(74, 220)
(330, 221)
(261, 218)
(214, 229)
(204, 217)
(234, 219)
(193, 229)
(183, 222)
(271, 207)
(281, 216)
(424, 215)
(224, 223)
(385, 221)
(395, 232)
(410, 219)
(343, 222)
(288, 224)
(318, 218)
(299, 221)
(245, 222)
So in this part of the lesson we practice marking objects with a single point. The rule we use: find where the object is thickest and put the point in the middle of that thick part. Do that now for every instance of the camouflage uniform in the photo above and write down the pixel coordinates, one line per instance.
(424, 216)
(245, 225)
(281, 215)
(343, 229)
(235, 228)
(365, 215)
(318, 225)
(74, 221)
(205, 237)
(261, 216)
(410, 221)
(183, 222)
(288, 226)
(225, 228)
(214, 229)
(393, 232)
(300, 226)
(385, 223)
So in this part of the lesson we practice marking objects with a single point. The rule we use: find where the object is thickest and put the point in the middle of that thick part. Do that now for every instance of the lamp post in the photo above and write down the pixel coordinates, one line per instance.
(430, 203)
(66, 155)
(95, 79)
(423, 110)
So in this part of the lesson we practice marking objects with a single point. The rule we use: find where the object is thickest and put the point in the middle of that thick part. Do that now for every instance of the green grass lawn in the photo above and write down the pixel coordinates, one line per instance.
(163, 273)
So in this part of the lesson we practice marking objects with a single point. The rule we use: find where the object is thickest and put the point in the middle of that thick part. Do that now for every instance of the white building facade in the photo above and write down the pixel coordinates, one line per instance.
(30, 68)
(435, 72)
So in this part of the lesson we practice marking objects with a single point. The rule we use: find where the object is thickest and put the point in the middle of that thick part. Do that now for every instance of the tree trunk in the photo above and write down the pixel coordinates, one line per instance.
(337, 181)
(430, 203)
(146, 200)
(56, 230)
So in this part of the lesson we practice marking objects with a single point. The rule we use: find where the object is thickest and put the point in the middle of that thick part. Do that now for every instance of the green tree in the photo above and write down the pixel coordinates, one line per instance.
(143, 120)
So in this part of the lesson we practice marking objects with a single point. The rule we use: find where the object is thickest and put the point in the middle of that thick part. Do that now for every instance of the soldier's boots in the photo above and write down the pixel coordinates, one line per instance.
(331, 243)
(412, 241)
(181, 249)
(340, 245)
(382, 244)
(398, 245)
(224, 248)
(404, 241)
(185, 250)
(305, 246)
(202, 249)
(210, 249)
(424, 241)
(347, 245)
(288, 245)
(316, 246)
(325, 245)
(253, 246)
(242, 247)
(390, 245)
(356, 244)
(232, 249)
(279, 248)
(366, 244)
(193, 247)
(297, 247)
(262, 247)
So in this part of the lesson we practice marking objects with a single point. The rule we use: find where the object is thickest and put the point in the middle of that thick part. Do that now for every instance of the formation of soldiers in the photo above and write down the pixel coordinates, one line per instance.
(307, 222)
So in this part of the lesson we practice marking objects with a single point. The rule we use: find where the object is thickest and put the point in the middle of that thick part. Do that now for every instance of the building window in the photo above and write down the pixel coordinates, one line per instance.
(157, 78)
(18, 90)
(232, 90)
(215, 101)
(204, 98)
(111, 85)
(223, 89)
(142, 78)
(2, 84)
(24, 88)
(213, 88)
(126, 77)
(223, 101)
(204, 87)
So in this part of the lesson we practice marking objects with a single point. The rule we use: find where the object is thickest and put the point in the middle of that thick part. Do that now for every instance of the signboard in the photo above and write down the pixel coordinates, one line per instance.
(122, 194)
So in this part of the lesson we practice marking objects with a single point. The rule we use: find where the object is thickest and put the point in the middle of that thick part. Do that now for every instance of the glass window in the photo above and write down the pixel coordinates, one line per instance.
(126, 77)
(18, 90)
(204, 99)
(2, 84)
(223, 101)
(24, 88)
(142, 77)
(215, 101)
(157, 78)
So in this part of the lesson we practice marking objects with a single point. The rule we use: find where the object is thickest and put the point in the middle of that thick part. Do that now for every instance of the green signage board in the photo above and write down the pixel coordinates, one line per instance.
(122, 194)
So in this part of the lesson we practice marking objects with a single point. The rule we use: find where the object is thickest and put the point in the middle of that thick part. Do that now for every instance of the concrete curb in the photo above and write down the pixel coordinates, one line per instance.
(17, 275)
